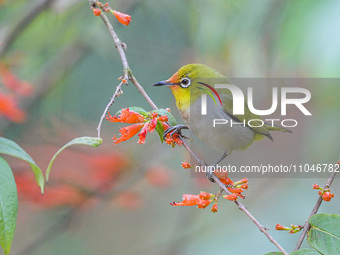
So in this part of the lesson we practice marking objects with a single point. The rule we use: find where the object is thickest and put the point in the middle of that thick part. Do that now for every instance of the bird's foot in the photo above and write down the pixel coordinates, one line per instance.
(209, 174)
(175, 130)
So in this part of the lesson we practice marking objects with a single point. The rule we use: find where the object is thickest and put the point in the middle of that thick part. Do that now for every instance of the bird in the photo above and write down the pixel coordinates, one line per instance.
(187, 85)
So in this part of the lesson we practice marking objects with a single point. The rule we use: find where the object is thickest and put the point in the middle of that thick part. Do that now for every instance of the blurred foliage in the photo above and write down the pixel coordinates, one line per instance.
(68, 56)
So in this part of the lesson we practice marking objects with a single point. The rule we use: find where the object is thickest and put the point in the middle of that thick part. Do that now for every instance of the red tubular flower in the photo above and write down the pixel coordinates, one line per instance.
(96, 12)
(244, 186)
(214, 208)
(203, 203)
(173, 140)
(127, 133)
(231, 197)
(186, 165)
(316, 186)
(327, 196)
(226, 181)
(188, 200)
(235, 190)
(142, 134)
(280, 227)
(122, 17)
(243, 181)
(126, 116)
(205, 195)
(163, 118)
(153, 122)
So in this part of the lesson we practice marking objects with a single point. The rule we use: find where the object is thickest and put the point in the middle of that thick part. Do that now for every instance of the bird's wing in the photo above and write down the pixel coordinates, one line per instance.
(227, 101)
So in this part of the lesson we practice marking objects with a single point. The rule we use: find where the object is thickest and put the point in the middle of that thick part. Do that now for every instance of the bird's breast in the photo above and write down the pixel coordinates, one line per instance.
(221, 137)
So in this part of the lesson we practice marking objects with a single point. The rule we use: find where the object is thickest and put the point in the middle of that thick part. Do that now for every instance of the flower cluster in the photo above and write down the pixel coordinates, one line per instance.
(203, 199)
(14, 88)
(292, 229)
(123, 18)
(144, 122)
(324, 193)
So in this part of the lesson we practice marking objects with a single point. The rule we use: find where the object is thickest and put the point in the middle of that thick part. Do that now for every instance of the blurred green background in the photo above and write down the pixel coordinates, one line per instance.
(68, 56)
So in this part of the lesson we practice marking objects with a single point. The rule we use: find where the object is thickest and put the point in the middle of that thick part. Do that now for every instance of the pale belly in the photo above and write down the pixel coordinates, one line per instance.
(222, 137)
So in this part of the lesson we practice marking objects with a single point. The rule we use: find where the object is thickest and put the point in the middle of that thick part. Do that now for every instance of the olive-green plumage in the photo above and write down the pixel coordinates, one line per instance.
(188, 84)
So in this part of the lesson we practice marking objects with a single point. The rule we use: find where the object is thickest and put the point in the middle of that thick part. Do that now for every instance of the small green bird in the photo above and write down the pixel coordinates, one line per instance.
(187, 85)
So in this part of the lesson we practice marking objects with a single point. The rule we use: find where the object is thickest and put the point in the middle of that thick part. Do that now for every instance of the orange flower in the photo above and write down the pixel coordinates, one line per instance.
(280, 227)
(231, 197)
(163, 118)
(173, 140)
(203, 203)
(126, 116)
(96, 12)
(142, 134)
(214, 208)
(122, 17)
(226, 181)
(235, 190)
(327, 196)
(10, 110)
(127, 132)
(316, 186)
(153, 122)
(205, 195)
(186, 165)
(188, 200)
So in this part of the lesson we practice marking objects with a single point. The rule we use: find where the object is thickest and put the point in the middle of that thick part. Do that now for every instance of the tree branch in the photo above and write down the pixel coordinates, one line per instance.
(307, 226)
(153, 105)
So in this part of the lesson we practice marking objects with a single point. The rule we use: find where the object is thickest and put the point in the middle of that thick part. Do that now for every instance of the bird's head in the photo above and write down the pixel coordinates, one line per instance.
(187, 83)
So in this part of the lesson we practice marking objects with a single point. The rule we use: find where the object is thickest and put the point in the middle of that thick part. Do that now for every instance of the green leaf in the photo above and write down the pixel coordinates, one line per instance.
(324, 235)
(172, 121)
(160, 130)
(8, 206)
(90, 141)
(11, 148)
(305, 252)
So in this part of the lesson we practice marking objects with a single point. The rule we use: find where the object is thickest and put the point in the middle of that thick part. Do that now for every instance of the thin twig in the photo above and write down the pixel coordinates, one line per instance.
(112, 100)
(126, 69)
(307, 226)
(153, 105)
(240, 205)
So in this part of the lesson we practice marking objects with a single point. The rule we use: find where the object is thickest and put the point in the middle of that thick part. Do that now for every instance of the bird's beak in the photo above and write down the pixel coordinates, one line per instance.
(164, 83)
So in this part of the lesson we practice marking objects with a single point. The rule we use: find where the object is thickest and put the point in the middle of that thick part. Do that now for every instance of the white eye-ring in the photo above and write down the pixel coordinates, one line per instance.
(185, 82)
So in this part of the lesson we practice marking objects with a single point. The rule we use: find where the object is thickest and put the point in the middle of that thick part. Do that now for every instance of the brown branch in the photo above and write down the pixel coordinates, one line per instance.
(307, 226)
(153, 105)
(16, 30)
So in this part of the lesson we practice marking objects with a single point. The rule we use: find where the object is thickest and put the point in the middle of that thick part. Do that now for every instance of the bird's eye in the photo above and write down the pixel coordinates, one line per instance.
(185, 82)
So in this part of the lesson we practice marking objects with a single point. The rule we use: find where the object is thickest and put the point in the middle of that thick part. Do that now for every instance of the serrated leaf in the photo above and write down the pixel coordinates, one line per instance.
(160, 130)
(324, 235)
(11, 148)
(90, 141)
(172, 121)
(305, 252)
(8, 206)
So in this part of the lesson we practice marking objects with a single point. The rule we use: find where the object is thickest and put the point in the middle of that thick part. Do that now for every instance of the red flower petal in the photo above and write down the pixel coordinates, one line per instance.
(122, 17)
(126, 116)
(127, 132)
